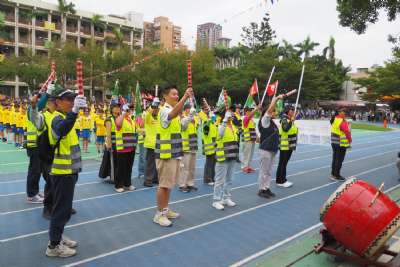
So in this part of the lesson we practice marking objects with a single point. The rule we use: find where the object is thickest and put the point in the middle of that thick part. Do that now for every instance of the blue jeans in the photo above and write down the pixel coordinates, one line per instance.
(223, 179)
(142, 159)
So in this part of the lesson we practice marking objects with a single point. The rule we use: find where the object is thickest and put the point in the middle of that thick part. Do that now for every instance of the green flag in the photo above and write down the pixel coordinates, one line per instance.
(250, 102)
(138, 101)
(279, 106)
(116, 89)
(220, 103)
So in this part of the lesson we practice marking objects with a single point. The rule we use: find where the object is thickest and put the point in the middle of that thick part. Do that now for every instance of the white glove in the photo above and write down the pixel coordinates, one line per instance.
(156, 101)
(228, 115)
(79, 102)
(125, 108)
(50, 88)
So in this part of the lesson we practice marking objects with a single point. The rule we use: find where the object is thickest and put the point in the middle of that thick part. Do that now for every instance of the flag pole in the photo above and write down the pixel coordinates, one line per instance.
(269, 81)
(298, 93)
(258, 91)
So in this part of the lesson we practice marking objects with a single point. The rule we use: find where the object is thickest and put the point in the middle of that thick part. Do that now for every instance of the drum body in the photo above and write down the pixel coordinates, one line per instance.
(358, 219)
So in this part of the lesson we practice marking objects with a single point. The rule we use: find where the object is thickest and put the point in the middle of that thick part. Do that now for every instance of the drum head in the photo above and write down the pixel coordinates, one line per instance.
(332, 199)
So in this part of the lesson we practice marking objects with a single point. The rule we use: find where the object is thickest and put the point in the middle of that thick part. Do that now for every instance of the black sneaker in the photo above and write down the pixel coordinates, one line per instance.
(341, 178)
(184, 189)
(263, 193)
(192, 188)
(269, 192)
(73, 211)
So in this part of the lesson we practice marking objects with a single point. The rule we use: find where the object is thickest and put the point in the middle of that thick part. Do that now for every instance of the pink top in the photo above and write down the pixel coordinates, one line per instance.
(344, 127)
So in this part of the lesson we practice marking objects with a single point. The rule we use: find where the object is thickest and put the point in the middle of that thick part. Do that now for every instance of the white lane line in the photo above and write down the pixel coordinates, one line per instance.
(178, 201)
(208, 223)
(142, 189)
(291, 238)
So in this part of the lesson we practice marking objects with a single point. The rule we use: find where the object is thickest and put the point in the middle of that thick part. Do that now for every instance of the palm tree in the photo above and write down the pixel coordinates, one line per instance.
(306, 47)
(331, 49)
(119, 36)
(96, 22)
(64, 9)
(286, 50)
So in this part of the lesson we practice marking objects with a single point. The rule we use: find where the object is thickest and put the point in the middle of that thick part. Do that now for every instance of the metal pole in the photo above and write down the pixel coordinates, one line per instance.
(298, 93)
(269, 81)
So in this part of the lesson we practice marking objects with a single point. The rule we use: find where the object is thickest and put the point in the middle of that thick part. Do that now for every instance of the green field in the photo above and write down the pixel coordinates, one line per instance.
(369, 127)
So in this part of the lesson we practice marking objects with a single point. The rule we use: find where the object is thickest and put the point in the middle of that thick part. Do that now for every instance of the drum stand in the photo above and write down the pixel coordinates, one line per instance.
(330, 245)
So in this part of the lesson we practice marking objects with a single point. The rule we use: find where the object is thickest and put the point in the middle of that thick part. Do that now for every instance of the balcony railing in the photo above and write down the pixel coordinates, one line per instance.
(98, 34)
(24, 39)
(10, 17)
(40, 41)
(40, 23)
(72, 29)
(25, 20)
(85, 30)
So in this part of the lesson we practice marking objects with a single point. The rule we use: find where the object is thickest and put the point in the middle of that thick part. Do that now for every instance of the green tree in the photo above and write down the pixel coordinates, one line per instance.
(257, 37)
(382, 81)
(329, 51)
(356, 14)
(65, 8)
(306, 47)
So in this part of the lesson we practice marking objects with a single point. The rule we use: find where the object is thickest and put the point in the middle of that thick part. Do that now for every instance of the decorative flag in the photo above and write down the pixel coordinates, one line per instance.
(254, 88)
(116, 89)
(279, 106)
(250, 102)
(272, 88)
(189, 72)
(79, 76)
(221, 101)
(138, 101)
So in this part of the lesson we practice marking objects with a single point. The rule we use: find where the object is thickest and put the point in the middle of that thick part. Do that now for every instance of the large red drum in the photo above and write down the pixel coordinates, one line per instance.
(359, 218)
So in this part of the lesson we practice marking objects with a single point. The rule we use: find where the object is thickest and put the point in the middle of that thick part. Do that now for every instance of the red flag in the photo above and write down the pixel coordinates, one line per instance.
(272, 88)
(254, 88)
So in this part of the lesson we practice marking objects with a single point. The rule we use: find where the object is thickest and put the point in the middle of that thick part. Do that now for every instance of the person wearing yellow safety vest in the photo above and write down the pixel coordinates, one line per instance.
(287, 144)
(125, 141)
(41, 120)
(249, 139)
(209, 137)
(7, 122)
(340, 141)
(168, 151)
(226, 153)
(237, 121)
(66, 165)
(150, 126)
(111, 138)
(189, 146)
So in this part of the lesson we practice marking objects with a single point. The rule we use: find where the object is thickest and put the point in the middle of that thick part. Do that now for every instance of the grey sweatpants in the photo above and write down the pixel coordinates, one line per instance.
(266, 162)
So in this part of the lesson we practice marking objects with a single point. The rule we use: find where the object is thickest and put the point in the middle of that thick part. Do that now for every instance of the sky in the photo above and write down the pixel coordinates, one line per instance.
(292, 20)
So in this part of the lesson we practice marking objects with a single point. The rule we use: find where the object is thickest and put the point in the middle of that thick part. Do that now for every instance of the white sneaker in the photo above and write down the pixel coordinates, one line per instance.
(61, 251)
(35, 200)
(218, 205)
(285, 184)
(119, 190)
(161, 219)
(210, 183)
(172, 214)
(66, 241)
(229, 202)
(130, 188)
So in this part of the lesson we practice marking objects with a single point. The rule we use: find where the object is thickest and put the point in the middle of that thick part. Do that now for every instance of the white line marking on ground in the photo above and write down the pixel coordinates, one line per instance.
(208, 223)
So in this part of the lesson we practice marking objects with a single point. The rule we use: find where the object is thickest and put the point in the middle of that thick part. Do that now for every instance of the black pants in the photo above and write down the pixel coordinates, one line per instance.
(34, 172)
(151, 175)
(62, 187)
(284, 157)
(209, 169)
(123, 170)
(48, 195)
(337, 159)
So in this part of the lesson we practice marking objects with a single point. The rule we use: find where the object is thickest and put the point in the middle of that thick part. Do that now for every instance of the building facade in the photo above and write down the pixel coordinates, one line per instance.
(208, 35)
(163, 32)
(352, 91)
(37, 32)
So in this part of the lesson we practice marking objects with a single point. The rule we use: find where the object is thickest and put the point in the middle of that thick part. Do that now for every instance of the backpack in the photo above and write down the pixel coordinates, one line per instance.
(46, 150)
